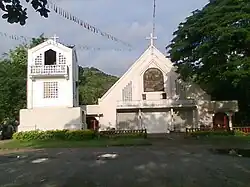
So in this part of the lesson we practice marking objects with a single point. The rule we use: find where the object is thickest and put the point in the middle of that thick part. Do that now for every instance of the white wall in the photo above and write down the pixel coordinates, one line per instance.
(75, 69)
(64, 93)
(66, 89)
(50, 119)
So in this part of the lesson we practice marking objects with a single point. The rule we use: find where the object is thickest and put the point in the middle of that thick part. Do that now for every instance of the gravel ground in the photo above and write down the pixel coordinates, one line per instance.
(166, 163)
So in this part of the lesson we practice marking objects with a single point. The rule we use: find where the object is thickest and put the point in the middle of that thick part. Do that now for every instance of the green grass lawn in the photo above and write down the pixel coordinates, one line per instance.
(226, 138)
(15, 144)
(228, 141)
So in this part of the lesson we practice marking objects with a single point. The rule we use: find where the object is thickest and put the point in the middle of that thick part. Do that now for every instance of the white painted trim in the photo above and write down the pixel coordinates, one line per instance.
(150, 63)
(48, 43)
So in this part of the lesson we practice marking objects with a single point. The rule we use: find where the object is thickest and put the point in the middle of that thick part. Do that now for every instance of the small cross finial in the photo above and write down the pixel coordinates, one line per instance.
(151, 38)
(55, 38)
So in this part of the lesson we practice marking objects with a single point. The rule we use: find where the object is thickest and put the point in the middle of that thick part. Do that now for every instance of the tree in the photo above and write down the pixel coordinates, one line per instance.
(212, 48)
(13, 73)
(93, 84)
(14, 12)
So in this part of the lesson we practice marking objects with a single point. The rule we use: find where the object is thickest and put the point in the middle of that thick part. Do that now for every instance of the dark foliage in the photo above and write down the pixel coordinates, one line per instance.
(15, 12)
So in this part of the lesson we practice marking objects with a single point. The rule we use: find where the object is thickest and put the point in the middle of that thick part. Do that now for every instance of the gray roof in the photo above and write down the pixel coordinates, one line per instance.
(70, 46)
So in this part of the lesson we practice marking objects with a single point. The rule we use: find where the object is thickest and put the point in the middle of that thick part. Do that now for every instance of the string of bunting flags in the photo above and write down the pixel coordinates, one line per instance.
(65, 14)
(26, 39)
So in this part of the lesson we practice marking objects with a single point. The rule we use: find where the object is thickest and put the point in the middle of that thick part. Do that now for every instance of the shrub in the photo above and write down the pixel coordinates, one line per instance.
(77, 135)
(240, 133)
(211, 133)
(55, 135)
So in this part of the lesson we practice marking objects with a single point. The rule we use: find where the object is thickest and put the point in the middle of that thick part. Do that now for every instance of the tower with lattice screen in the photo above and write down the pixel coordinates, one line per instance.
(52, 88)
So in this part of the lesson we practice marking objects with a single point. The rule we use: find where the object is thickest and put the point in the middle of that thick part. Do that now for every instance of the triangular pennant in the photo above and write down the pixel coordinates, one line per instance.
(85, 25)
(55, 8)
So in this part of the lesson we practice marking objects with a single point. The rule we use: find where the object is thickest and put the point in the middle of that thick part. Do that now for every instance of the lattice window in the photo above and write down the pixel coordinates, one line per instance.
(129, 96)
(127, 92)
(50, 90)
(39, 60)
(62, 59)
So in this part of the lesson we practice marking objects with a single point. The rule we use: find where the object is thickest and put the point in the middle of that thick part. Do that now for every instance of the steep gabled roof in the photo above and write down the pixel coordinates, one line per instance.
(50, 42)
(157, 54)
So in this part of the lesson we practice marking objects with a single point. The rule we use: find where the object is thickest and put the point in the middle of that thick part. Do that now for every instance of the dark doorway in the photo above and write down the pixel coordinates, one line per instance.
(92, 123)
(220, 121)
(50, 57)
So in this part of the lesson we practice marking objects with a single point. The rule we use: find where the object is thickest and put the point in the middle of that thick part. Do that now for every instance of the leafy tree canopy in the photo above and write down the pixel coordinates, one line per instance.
(214, 43)
(15, 12)
(93, 84)
(13, 69)
(212, 48)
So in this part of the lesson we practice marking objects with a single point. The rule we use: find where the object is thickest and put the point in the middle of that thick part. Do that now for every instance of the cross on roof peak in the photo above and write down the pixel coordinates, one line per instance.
(151, 38)
(55, 38)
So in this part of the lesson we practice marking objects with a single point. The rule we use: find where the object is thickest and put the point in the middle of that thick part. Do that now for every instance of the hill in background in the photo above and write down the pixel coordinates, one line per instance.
(93, 84)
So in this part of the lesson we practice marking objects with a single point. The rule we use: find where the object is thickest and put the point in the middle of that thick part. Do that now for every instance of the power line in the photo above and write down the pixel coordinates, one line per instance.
(65, 14)
(26, 39)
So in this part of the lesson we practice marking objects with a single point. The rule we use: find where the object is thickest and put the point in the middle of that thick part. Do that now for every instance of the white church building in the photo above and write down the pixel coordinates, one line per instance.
(52, 89)
(150, 95)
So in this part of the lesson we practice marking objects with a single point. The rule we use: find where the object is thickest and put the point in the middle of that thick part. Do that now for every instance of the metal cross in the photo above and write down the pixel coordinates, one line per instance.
(55, 38)
(151, 38)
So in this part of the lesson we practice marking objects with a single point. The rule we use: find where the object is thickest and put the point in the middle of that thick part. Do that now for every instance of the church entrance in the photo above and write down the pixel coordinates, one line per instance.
(128, 119)
(156, 120)
(184, 117)
(220, 121)
(92, 123)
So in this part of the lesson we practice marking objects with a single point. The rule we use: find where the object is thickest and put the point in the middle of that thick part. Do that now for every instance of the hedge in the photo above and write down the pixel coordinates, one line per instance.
(76, 135)
(211, 133)
(240, 133)
(55, 135)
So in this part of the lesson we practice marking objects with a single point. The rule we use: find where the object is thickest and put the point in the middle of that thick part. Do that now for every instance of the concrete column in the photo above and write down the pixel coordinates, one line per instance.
(31, 93)
(139, 118)
(194, 118)
(230, 121)
(172, 119)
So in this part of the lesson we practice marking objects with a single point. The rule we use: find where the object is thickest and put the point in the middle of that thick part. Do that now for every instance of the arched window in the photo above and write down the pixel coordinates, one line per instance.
(153, 80)
(50, 57)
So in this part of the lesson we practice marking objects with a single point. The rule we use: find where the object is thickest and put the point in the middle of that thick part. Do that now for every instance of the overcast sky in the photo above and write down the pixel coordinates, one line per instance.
(129, 20)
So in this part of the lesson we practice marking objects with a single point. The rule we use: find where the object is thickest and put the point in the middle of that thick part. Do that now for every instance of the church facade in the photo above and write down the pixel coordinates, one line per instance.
(150, 95)
(52, 89)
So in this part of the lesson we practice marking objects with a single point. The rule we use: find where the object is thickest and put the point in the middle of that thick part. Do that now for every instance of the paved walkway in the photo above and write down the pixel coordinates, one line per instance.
(165, 164)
